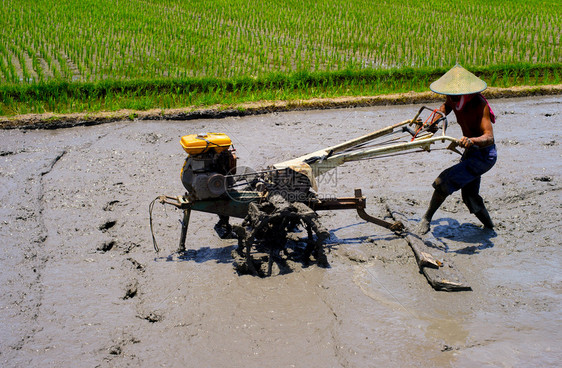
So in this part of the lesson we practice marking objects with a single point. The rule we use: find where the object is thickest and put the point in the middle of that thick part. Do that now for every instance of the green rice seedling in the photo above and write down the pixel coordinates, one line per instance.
(173, 39)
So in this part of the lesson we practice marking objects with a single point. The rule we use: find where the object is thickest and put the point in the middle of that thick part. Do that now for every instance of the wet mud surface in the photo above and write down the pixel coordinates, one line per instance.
(82, 286)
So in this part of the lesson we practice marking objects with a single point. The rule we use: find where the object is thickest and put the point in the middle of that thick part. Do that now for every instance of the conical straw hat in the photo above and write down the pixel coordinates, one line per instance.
(458, 81)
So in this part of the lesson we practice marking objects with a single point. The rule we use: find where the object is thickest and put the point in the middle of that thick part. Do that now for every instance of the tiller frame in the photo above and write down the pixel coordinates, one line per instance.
(249, 203)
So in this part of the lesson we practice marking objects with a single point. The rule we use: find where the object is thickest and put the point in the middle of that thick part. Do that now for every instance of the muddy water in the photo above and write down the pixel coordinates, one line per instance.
(81, 285)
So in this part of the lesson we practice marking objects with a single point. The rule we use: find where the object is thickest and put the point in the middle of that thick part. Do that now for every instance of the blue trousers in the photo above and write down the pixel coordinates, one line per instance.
(466, 176)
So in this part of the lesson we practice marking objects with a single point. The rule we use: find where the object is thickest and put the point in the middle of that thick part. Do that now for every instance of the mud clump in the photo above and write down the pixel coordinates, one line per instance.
(107, 225)
(136, 264)
(131, 289)
(106, 246)
(115, 350)
(544, 178)
(110, 205)
(151, 317)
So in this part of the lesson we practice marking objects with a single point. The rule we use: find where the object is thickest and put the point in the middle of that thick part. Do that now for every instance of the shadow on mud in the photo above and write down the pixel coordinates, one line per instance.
(334, 240)
(205, 254)
(290, 259)
(477, 237)
(285, 261)
(201, 255)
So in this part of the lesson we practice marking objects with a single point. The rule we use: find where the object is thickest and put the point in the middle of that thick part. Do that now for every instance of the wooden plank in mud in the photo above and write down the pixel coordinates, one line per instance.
(440, 273)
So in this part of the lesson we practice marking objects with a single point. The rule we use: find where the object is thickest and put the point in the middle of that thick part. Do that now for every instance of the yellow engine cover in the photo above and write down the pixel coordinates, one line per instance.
(195, 144)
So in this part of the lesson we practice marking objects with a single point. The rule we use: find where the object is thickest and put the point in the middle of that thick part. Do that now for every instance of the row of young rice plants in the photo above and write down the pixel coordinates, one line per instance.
(110, 95)
(49, 42)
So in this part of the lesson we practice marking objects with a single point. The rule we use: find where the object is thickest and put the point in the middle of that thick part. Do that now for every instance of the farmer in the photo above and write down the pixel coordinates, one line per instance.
(475, 117)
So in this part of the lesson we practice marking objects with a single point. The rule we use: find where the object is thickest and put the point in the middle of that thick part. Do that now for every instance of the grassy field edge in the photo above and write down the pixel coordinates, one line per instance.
(144, 94)
(57, 121)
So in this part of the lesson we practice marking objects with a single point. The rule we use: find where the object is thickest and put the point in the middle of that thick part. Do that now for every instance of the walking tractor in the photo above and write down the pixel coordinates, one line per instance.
(276, 201)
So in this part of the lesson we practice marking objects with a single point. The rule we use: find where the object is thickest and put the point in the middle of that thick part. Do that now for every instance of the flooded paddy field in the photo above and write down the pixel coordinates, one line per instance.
(82, 286)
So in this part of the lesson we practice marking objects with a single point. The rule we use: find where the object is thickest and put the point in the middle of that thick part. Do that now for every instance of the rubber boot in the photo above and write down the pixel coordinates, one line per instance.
(436, 201)
(484, 218)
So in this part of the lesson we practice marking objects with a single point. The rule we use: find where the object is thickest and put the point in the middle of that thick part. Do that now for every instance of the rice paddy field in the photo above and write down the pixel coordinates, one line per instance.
(89, 55)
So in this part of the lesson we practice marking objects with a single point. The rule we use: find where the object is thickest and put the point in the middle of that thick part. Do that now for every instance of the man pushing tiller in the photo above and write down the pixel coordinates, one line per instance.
(475, 117)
